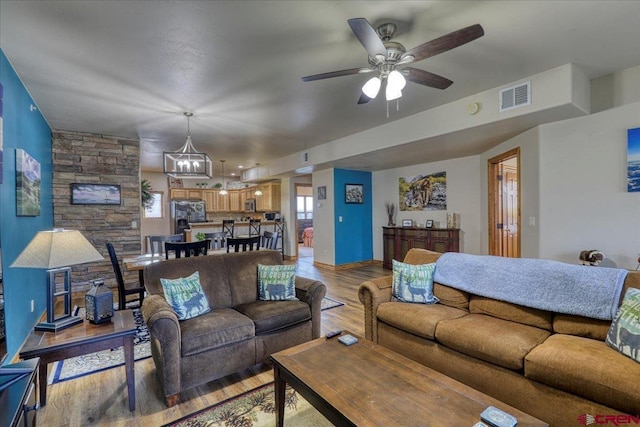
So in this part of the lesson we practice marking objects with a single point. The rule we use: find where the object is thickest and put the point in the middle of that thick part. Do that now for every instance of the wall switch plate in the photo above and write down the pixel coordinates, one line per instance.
(340, 218)
(33, 306)
(532, 221)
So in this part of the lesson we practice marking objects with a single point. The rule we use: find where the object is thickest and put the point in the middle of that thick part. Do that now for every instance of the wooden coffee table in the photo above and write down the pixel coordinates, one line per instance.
(369, 385)
(83, 339)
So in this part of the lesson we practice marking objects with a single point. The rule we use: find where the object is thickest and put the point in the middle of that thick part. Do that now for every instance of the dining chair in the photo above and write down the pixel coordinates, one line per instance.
(228, 227)
(270, 240)
(123, 290)
(217, 239)
(244, 243)
(156, 243)
(186, 248)
(254, 227)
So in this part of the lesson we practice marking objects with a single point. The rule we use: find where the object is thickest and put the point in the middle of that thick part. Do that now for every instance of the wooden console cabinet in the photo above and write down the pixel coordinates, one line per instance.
(396, 241)
(18, 403)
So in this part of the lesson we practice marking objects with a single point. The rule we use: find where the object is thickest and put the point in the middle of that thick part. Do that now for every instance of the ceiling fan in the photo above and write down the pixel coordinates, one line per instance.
(388, 59)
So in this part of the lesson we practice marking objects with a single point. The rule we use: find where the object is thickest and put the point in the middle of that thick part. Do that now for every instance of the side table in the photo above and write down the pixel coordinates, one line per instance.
(83, 339)
(18, 402)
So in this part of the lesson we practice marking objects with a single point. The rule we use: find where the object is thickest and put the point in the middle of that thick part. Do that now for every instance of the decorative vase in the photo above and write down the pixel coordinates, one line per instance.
(390, 223)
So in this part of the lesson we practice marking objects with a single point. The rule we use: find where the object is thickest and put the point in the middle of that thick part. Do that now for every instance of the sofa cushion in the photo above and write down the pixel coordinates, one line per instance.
(587, 368)
(276, 282)
(215, 329)
(270, 316)
(581, 326)
(624, 334)
(513, 312)
(451, 296)
(416, 319)
(493, 340)
(413, 283)
(185, 296)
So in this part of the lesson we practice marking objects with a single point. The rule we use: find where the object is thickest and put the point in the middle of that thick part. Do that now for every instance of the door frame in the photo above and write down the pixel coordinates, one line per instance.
(295, 210)
(493, 165)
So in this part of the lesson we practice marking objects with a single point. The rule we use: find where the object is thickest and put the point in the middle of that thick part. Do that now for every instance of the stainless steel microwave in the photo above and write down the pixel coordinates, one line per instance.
(250, 205)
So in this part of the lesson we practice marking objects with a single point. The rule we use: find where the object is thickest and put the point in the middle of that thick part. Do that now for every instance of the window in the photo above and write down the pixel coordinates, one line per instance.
(304, 207)
(156, 210)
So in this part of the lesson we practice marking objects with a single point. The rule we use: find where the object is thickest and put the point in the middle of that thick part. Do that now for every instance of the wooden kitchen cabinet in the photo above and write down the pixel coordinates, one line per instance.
(185, 194)
(234, 201)
(270, 198)
(396, 241)
(210, 200)
(222, 202)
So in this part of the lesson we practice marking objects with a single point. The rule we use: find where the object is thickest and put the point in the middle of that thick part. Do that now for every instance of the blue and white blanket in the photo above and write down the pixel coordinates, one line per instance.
(547, 285)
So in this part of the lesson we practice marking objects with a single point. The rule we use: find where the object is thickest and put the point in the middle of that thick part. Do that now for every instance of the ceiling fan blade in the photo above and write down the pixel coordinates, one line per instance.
(444, 43)
(369, 38)
(426, 78)
(331, 74)
(364, 99)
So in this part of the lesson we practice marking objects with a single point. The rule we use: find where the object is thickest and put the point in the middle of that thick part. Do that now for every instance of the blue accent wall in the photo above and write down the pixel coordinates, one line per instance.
(353, 238)
(26, 129)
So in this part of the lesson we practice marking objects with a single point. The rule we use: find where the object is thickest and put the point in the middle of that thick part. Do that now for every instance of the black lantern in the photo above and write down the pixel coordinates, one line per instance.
(99, 303)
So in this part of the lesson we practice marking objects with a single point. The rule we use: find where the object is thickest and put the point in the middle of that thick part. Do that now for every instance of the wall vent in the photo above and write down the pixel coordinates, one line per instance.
(305, 157)
(516, 96)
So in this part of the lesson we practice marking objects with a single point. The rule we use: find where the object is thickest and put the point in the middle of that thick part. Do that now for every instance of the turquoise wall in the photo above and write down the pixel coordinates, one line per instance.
(353, 239)
(26, 129)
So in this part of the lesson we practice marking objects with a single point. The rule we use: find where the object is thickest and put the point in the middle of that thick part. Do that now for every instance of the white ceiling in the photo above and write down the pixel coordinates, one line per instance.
(131, 68)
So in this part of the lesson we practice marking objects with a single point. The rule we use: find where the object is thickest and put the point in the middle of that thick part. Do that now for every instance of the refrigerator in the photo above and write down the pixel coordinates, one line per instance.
(185, 211)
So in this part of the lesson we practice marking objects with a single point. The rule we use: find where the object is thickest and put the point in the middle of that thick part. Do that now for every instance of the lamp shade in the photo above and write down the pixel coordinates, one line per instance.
(371, 87)
(57, 248)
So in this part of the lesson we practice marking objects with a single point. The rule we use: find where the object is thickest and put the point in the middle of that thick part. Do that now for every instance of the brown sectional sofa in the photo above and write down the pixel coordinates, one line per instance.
(553, 366)
(239, 331)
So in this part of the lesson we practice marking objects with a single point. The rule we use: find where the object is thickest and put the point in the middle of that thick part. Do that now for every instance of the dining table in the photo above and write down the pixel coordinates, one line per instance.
(139, 262)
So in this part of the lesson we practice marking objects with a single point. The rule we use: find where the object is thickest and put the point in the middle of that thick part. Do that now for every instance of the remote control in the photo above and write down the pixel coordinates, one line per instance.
(333, 333)
(498, 418)
(348, 339)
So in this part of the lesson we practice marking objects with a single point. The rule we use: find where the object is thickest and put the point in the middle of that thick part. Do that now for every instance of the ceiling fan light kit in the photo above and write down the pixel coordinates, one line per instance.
(187, 162)
(389, 59)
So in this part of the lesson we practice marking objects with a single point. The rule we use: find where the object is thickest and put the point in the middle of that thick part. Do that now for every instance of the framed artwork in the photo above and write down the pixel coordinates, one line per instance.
(27, 184)
(633, 159)
(423, 192)
(175, 182)
(407, 223)
(429, 223)
(95, 194)
(322, 193)
(354, 193)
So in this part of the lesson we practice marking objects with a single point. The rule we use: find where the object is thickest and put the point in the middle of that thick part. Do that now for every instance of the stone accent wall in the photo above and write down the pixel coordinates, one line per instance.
(98, 159)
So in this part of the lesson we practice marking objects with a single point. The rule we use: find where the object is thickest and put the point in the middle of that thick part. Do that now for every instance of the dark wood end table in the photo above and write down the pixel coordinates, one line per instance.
(84, 339)
(366, 384)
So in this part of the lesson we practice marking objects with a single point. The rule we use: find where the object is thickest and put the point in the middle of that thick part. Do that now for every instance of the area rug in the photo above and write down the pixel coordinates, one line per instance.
(328, 303)
(254, 408)
(80, 366)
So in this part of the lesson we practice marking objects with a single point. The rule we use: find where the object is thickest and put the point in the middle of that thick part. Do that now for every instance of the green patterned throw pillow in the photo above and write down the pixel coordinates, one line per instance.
(276, 282)
(624, 334)
(185, 295)
(413, 283)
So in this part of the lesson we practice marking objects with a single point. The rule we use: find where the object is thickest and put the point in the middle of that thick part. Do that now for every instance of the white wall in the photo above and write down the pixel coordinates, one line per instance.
(323, 219)
(464, 188)
(583, 199)
(615, 90)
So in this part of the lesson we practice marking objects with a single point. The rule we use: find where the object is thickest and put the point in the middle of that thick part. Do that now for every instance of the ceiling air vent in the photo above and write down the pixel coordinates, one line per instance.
(516, 96)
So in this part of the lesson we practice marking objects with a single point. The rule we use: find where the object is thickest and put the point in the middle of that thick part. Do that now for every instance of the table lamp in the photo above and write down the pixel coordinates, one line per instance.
(56, 250)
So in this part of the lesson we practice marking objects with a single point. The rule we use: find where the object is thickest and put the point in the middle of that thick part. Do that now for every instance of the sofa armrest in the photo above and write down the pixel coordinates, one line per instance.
(311, 292)
(164, 329)
(371, 293)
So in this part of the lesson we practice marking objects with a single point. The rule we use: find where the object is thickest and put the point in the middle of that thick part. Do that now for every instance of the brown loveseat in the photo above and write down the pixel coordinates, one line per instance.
(239, 331)
(553, 366)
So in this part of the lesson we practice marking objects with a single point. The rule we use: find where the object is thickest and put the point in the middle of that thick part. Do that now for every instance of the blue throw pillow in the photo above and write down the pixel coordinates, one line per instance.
(185, 295)
(413, 283)
(276, 282)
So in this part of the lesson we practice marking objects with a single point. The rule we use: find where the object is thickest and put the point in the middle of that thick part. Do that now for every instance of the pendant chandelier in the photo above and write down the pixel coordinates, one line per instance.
(224, 191)
(187, 162)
